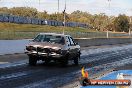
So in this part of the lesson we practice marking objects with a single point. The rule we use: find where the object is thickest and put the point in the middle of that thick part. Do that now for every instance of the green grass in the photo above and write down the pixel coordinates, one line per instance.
(30, 27)
(24, 31)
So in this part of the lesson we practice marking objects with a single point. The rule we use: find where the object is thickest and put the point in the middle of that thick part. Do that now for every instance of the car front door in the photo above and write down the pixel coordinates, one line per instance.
(72, 47)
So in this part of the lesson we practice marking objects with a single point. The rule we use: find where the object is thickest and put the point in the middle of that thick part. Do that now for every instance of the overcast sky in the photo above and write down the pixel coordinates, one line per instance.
(91, 6)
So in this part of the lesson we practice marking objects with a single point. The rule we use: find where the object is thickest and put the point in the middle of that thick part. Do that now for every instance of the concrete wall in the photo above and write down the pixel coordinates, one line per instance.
(12, 46)
(102, 41)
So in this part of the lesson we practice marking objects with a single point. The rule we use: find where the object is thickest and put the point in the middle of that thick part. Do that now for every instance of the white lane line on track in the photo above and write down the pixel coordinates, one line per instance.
(14, 75)
(3, 63)
(18, 74)
(7, 65)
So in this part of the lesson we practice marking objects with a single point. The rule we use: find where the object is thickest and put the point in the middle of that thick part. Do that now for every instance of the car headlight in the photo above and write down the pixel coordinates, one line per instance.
(30, 48)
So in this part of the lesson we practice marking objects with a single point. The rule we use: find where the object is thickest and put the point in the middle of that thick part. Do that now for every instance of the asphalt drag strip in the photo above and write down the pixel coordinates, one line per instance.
(96, 61)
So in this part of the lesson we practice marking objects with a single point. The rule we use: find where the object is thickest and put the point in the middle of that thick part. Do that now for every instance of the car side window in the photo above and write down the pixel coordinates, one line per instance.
(71, 41)
(67, 40)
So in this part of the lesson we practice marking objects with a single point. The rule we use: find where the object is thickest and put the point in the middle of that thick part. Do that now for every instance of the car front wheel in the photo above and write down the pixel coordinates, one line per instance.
(32, 61)
(64, 61)
(47, 61)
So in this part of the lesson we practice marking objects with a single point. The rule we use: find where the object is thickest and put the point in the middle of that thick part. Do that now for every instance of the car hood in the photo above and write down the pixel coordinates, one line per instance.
(46, 45)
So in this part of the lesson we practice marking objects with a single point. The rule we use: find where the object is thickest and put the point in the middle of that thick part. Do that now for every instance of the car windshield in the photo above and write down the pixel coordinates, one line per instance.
(50, 38)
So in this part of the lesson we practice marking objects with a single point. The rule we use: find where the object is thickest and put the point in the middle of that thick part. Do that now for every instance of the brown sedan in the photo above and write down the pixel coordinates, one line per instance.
(50, 46)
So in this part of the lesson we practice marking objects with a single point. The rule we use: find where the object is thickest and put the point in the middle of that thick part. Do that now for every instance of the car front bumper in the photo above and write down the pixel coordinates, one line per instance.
(40, 54)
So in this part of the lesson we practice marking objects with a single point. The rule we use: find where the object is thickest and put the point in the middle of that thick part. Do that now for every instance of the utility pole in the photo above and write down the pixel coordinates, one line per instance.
(64, 12)
(130, 27)
(58, 10)
(130, 23)
(108, 20)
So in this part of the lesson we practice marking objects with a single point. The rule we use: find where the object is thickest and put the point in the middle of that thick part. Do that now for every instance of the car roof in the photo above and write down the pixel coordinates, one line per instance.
(53, 34)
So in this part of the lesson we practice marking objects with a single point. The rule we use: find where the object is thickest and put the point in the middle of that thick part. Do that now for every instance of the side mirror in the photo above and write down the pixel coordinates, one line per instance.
(76, 43)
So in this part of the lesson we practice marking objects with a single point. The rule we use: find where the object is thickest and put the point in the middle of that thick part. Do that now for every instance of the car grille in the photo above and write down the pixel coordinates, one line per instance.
(46, 50)
(39, 49)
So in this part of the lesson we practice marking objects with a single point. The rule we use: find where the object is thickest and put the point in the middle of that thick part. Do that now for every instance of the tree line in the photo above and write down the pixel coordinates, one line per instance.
(100, 22)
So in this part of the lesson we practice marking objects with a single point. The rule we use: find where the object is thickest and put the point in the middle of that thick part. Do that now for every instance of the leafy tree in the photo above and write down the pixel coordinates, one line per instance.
(4, 10)
(42, 15)
(24, 11)
(121, 23)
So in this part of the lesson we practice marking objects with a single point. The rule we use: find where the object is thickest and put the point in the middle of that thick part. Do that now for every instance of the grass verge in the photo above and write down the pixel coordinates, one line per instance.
(24, 31)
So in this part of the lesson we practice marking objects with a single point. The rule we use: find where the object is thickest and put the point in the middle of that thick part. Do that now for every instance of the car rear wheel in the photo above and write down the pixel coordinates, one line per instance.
(32, 61)
(76, 60)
